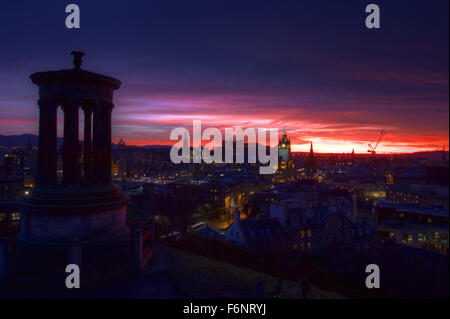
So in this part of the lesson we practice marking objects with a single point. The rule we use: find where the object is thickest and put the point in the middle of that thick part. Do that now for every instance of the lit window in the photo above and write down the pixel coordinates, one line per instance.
(407, 238)
(422, 237)
(436, 236)
(444, 238)
(309, 232)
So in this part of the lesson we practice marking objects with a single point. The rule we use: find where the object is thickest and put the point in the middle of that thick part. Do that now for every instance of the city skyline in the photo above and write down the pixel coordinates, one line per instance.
(328, 80)
(204, 152)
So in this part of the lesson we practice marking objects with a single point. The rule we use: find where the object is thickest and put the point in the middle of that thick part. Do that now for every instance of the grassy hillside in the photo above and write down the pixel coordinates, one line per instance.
(201, 277)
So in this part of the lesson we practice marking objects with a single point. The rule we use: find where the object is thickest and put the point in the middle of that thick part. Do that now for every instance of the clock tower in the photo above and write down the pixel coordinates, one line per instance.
(284, 149)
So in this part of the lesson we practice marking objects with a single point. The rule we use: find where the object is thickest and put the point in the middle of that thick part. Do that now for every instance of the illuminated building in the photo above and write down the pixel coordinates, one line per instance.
(432, 195)
(284, 149)
(313, 230)
(257, 235)
(286, 168)
(414, 225)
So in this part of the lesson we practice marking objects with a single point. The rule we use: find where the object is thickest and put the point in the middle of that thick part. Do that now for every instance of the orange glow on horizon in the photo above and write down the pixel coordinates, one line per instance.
(330, 132)
(323, 146)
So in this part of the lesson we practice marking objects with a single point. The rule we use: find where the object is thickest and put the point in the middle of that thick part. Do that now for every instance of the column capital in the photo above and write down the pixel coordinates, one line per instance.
(48, 102)
(105, 105)
(72, 102)
(87, 109)
(88, 105)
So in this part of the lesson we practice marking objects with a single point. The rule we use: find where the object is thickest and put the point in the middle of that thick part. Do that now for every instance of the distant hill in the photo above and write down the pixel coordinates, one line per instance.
(432, 155)
(18, 140)
(22, 141)
(114, 146)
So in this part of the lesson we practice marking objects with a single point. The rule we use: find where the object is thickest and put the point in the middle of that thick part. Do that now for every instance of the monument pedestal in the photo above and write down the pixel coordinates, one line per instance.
(62, 214)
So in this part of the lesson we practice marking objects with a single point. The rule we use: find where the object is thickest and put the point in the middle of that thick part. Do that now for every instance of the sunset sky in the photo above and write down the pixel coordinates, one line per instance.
(309, 66)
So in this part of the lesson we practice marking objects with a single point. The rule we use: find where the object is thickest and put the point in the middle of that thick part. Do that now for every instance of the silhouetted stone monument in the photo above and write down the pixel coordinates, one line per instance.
(85, 206)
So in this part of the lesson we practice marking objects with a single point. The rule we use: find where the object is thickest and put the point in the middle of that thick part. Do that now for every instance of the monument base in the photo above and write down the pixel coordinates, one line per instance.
(62, 214)
(85, 226)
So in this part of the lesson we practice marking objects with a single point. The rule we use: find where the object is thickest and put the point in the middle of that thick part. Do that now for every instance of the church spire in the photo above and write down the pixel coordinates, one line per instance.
(121, 143)
(285, 142)
(311, 163)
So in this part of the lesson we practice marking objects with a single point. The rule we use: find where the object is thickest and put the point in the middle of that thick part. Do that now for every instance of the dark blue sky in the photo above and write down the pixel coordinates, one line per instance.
(309, 65)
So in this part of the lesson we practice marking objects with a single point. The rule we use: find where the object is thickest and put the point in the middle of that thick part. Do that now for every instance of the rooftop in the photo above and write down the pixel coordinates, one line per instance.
(415, 208)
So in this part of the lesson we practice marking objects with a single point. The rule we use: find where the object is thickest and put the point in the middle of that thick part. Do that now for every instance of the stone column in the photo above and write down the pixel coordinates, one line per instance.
(87, 143)
(71, 152)
(107, 142)
(102, 142)
(98, 133)
(47, 142)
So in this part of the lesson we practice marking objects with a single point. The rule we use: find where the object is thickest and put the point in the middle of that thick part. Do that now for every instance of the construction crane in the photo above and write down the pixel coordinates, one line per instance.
(372, 147)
